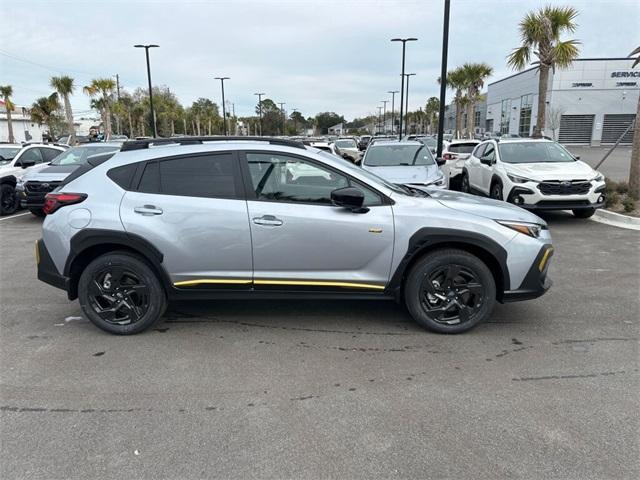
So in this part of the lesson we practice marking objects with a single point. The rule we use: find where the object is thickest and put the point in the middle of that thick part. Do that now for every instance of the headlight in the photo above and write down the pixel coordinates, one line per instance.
(531, 229)
(439, 182)
(19, 182)
(517, 179)
(598, 178)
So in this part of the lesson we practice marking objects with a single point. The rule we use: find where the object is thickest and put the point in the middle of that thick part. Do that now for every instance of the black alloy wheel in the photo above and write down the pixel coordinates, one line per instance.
(496, 191)
(464, 184)
(118, 296)
(8, 199)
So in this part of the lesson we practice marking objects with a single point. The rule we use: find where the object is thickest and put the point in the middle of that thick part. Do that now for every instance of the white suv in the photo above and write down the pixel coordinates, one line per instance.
(535, 174)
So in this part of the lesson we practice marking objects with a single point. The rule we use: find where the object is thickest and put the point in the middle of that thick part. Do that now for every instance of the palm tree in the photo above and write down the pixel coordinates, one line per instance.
(103, 88)
(431, 110)
(634, 170)
(540, 32)
(457, 81)
(43, 112)
(64, 86)
(6, 91)
(475, 74)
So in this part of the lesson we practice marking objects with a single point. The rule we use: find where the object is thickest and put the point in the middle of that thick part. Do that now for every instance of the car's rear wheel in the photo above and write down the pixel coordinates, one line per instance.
(450, 291)
(584, 212)
(8, 199)
(120, 293)
(464, 184)
(37, 212)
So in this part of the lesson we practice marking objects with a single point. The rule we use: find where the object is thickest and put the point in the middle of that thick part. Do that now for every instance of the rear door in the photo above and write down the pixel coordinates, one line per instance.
(473, 165)
(303, 242)
(488, 160)
(192, 209)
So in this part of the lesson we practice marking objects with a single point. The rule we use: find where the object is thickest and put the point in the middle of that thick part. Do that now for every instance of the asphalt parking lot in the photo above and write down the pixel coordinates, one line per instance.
(304, 389)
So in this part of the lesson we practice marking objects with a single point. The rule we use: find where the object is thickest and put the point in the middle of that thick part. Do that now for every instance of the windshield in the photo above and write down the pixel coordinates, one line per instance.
(345, 143)
(462, 147)
(7, 154)
(79, 155)
(398, 154)
(347, 165)
(429, 141)
(533, 152)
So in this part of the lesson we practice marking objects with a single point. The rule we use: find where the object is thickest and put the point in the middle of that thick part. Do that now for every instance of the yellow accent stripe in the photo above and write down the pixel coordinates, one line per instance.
(545, 257)
(37, 253)
(212, 280)
(319, 284)
(313, 283)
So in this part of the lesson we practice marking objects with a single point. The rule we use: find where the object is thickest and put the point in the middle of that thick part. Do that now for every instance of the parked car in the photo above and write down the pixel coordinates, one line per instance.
(535, 174)
(15, 161)
(404, 163)
(364, 142)
(347, 148)
(35, 184)
(455, 153)
(248, 230)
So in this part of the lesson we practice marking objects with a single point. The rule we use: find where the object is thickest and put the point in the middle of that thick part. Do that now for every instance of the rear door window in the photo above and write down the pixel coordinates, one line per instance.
(49, 154)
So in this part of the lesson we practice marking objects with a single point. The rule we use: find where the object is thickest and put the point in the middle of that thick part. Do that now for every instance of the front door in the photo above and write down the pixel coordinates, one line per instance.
(192, 209)
(301, 241)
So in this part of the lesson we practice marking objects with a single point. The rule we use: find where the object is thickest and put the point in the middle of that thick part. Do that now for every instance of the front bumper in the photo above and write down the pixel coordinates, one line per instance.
(528, 196)
(536, 282)
(47, 271)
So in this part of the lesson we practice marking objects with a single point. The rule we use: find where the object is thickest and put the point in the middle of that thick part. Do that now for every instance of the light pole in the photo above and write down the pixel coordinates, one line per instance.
(379, 115)
(153, 113)
(224, 107)
(260, 108)
(284, 118)
(404, 44)
(295, 121)
(384, 116)
(393, 110)
(406, 99)
(443, 75)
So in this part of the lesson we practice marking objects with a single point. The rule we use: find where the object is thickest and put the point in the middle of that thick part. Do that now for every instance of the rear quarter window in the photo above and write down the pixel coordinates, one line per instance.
(123, 176)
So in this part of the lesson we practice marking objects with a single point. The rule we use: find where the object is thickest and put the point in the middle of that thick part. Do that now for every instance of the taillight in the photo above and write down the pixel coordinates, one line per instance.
(449, 156)
(54, 201)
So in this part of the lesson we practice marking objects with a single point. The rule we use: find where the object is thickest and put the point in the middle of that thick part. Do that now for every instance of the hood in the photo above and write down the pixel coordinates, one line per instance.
(484, 207)
(50, 173)
(551, 171)
(421, 174)
(6, 170)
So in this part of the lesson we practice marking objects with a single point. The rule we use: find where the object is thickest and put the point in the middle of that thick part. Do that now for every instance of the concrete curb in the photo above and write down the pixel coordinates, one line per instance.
(616, 219)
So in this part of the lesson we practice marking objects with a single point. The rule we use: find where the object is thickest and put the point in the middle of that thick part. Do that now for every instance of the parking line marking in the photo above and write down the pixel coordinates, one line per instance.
(15, 216)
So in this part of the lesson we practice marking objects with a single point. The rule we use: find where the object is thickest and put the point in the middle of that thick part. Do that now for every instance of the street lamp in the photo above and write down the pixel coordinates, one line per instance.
(295, 120)
(153, 113)
(406, 99)
(224, 107)
(404, 44)
(379, 114)
(260, 108)
(384, 116)
(443, 75)
(393, 109)
(284, 118)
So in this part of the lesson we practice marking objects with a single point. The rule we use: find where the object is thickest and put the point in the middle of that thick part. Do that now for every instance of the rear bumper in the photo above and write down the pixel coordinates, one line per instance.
(47, 271)
(536, 282)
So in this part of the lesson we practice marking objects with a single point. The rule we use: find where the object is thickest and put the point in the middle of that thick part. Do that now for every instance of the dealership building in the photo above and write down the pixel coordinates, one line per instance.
(592, 102)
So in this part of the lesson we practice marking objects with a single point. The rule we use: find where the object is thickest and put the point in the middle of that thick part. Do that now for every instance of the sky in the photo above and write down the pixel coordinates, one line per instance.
(315, 56)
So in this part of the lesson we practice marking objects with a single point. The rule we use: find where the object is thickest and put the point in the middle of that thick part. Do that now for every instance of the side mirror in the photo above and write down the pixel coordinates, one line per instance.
(27, 163)
(440, 161)
(486, 161)
(577, 157)
(349, 197)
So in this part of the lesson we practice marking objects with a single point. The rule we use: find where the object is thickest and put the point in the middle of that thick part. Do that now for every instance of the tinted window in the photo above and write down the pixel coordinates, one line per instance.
(32, 155)
(291, 179)
(478, 151)
(7, 154)
(122, 176)
(150, 180)
(49, 153)
(489, 152)
(462, 147)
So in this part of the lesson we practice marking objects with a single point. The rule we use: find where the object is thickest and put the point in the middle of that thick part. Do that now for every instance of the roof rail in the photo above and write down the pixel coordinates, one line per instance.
(143, 144)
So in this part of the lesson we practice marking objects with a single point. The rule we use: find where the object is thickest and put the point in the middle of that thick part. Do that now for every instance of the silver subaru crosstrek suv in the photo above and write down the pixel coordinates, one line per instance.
(242, 217)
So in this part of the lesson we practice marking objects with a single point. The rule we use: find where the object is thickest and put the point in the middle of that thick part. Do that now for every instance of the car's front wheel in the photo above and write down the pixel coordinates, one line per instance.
(464, 184)
(450, 291)
(8, 199)
(496, 191)
(584, 212)
(120, 293)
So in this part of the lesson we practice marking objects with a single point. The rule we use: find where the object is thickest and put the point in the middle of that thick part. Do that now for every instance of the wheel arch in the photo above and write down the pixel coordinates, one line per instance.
(496, 179)
(428, 240)
(8, 180)
(89, 244)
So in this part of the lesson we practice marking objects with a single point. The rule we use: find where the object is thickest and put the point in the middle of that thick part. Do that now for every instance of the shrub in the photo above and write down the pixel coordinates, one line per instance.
(611, 199)
(628, 204)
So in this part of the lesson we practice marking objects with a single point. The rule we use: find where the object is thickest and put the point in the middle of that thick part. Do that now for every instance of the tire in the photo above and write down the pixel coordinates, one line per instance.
(37, 212)
(466, 306)
(464, 184)
(122, 280)
(496, 191)
(8, 199)
(584, 212)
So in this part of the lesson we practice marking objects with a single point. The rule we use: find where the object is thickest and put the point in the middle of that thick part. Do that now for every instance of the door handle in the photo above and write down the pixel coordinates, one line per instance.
(148, 210)
(269, 220)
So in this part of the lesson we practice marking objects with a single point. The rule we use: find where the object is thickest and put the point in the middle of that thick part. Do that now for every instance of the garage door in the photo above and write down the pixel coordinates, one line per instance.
(614, 125)
(576, 129)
